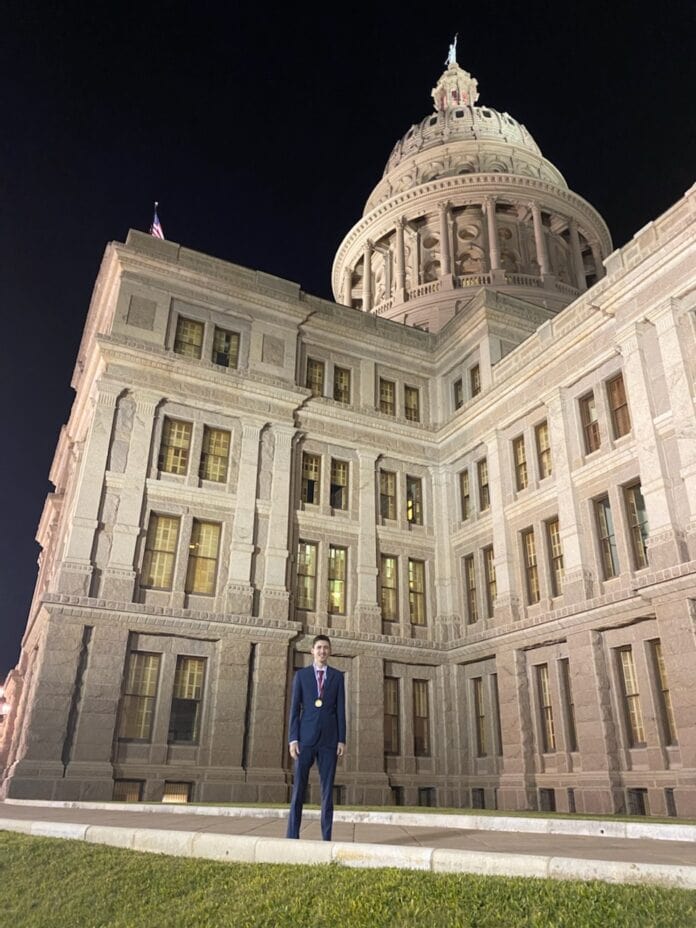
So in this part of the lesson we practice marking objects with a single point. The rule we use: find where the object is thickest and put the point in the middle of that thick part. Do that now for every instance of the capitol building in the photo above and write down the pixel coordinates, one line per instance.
(475, 470)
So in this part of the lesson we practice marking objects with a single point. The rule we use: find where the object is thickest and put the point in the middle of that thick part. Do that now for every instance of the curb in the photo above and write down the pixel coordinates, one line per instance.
(247, 849)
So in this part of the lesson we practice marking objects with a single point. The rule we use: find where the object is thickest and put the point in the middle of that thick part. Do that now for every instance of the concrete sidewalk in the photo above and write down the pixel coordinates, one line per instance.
(552, 848)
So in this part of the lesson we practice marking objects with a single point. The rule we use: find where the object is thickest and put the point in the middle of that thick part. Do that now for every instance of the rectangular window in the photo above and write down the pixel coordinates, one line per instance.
(470, 583)
(416, 591)
(160, 552)
(175, 447)
(491, 584)
(315, 377)
(311, 473)
(484, 489)
(637, 801)
(176, 792)
(338, 490)
(386, 397)
(337, 580)
(189, 338)
(306, 575)
(215, 455)
(225, 348)
(572, 742)
(543, 446)
(590, 423)
(495, 698)
(342, 385)
(520, 458)
(203, 558)
(139, 696)
(412, 404)
(632, 707)
(128, 790)
(530, 566)
(548, 731)
(389, 589)
(421, 719)
(458, 391)
(414, 500)
(637, 524)
(185, 717)
(553, 537)
(607, 539)
(392, 744)
(387, 494)
(479, 717)
(475, 380)
(465, 493)
(618, 406)
(664, 698)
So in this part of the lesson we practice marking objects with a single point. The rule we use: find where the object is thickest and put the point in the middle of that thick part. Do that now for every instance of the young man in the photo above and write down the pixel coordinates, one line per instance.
(317, 732)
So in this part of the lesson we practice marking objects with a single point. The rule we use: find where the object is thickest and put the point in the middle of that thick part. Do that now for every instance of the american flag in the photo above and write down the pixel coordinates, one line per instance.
(156, 227)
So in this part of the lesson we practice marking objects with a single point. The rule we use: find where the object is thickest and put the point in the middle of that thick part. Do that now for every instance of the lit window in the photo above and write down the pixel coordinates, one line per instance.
(128, 790)
(543, 445)
(470, 583)
(414, 500)
(590, 423)
(572, 739)
(315, 377)
(412, 404)
(638, 524)
(189, 338)
(306, 575)
(632, 707)
(342, 385)
(553, 535)
(458, 388)
(479, 717)
(174, 448)
(160, 551)
(311, 470)
(665, 699)
(386, 397)
(520, 458)
(421, 719)
(416, 591)
(139, 696)
(475, 380)
(225, 348)
(530, 566)
(607, 539)
(338, 491)
(484, 489)
(491, 584)
(176, 792)
(185, 717)
(337, 580)
(387, 494)
(215, 455)
(391, 716)
(618, 406)
(465, 493)
(389, 595)
(548, 730)
(203, 558)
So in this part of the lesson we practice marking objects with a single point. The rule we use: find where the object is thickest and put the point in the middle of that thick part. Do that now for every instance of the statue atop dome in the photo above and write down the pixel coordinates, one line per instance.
(456, 86)
(452, 54)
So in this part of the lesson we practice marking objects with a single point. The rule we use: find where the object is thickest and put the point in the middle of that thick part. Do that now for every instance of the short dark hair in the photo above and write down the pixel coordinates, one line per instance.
(321, 638)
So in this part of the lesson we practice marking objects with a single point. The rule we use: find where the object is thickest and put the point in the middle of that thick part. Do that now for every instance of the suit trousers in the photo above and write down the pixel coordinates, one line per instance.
(326, 762)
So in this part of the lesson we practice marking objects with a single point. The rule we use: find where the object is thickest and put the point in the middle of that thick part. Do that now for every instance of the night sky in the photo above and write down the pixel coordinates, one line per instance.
(262, 132)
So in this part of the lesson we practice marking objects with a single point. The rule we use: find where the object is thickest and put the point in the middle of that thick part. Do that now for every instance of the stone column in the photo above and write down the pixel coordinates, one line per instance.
(367, 616)
(400, 283)
(516, 731)
(665, 541)
(238, 593)
(597, 258)
(75, 571)
(491, 222)
(267, 745)
(577, 254)
(445, 246)
(367, 277)
(507, 602)
(542, 254)
(365, 696)
(448, 621)
(348, 285)
(275, 596)
(119, 575)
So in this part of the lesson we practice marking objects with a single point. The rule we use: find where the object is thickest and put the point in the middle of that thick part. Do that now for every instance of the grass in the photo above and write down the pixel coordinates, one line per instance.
(51, 883)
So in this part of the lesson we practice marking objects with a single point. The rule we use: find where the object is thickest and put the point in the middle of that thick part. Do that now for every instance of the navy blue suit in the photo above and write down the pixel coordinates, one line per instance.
(318, 731)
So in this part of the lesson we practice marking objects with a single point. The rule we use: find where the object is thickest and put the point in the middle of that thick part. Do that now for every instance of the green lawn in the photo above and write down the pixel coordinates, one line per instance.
(51, 883)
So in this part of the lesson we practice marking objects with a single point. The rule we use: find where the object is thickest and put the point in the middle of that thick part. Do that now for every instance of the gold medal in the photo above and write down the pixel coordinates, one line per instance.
(318, 703)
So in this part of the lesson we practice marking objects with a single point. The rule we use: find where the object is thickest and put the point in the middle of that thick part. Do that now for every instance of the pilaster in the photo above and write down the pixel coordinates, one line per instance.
(238, 593)
(275, 597)
(447, 620)
(507, 601)
(367, 616)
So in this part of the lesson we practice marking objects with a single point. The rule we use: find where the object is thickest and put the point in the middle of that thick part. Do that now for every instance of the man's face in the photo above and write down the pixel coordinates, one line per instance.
(321, 652)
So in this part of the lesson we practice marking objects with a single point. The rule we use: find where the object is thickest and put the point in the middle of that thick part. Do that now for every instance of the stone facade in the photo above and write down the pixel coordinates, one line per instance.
(491, 509)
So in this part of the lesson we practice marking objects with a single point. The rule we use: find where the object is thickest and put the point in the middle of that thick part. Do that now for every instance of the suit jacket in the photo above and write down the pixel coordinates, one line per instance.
(324, 726)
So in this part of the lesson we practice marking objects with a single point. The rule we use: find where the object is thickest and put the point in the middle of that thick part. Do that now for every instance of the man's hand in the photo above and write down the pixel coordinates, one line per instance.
(294, 749)
(341, 749)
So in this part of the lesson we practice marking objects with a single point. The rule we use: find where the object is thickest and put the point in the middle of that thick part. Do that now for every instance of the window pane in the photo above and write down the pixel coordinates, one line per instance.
(543, 444)
(225, 348)
(421, 719)
(315, 376)
(484, 490)
(139, 696)
(215, 455)
(638, 524)
(306, 574)
(475, 380)
(412, 404)
(311, 470)
(416, 591)
(553, 534)
(186, 702)
(174, 449)
(491, 584)
(520, 458)
(618, 405)
(470, 584)
(590, 424)
(387, 494)
(337, 580)
(530, 566)
(465, 493)
(414, 500)
(479, 717)
(389, 588)
(189, 338)
(341, 385)
(548, 730)
(160, 551)
(632, 706)
(458, 388)
(386, 397)
(607, 541)
(339, 484)
(391, 716)
(203, 554)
